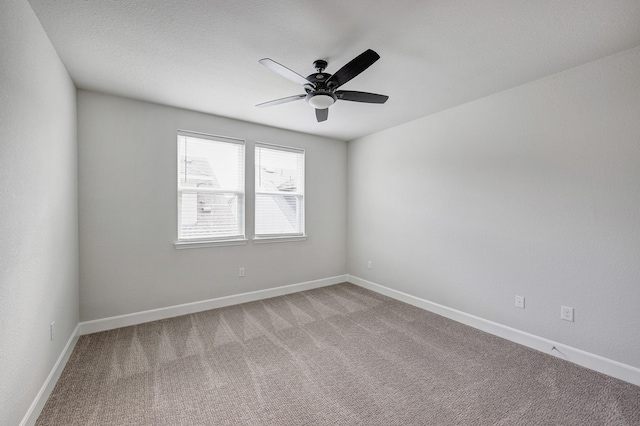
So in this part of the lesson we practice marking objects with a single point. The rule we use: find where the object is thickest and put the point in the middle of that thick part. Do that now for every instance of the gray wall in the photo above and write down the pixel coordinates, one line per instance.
(534, 191)
(127, 199)
(38, 208)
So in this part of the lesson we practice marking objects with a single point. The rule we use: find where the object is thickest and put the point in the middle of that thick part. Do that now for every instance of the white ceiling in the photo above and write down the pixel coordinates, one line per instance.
(435, 54)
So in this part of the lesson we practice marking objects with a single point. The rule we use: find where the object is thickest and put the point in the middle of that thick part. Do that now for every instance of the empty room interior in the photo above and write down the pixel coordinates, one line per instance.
(265, 213)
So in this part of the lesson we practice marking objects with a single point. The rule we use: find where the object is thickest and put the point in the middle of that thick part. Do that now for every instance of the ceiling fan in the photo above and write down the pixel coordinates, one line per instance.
(320, 87)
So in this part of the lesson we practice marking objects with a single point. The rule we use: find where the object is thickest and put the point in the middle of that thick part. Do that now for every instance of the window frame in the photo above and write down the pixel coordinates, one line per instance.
(280, 237)
(212, 241)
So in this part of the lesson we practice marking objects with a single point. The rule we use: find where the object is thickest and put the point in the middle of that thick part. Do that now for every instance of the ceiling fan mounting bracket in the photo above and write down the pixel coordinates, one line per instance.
(320, 65)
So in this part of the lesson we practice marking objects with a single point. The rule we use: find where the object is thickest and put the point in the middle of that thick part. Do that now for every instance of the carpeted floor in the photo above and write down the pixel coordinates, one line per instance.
(338, 355)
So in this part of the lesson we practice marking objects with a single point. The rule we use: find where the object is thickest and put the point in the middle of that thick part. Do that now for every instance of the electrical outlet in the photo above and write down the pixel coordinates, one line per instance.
(369, 265)
(520, 302)
(566, 313)
(241, 272)
(52, 330)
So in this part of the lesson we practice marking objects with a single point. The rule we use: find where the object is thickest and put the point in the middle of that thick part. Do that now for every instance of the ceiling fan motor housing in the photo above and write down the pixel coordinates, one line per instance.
(319, 80)
(319, 95)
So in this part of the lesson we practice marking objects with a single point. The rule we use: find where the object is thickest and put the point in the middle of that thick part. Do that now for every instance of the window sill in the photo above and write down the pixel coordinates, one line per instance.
(266, 240)
(180, 245)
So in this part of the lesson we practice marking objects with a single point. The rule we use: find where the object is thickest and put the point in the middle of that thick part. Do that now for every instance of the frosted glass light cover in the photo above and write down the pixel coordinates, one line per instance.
(321, 101)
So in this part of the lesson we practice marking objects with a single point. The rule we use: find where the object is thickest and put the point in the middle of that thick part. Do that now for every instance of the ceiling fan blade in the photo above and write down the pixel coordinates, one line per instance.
(285, 72)
(281, 101)
(322, 114)
(353, 68)
(370, 98)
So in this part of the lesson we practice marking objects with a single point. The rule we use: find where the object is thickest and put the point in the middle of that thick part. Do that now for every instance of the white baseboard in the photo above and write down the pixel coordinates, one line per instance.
(585, 359)
(88, 327)
(38, 403)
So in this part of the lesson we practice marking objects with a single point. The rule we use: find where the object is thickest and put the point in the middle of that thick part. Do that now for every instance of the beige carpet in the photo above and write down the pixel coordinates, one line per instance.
(331, 356)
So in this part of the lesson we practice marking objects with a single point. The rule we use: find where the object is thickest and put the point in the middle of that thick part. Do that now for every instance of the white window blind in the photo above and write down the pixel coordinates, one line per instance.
(279, 174)
(210, 187)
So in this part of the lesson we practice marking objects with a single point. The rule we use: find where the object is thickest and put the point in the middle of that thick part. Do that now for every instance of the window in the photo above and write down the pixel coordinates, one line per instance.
(279, 174)
(210, 188)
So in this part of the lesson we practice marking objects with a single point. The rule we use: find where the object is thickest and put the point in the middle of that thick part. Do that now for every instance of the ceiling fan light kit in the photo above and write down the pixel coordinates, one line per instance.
(321, 87)
(321, 100)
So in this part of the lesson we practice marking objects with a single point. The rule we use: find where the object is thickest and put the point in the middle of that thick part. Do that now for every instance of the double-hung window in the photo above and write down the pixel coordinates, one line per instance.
(279, 189)
(210, 188)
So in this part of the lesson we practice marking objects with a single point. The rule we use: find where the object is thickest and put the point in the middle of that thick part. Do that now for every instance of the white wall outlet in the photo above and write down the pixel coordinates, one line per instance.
(52, 330)
(566, 313)
(520, 302)
(241, 272)
(369, 264)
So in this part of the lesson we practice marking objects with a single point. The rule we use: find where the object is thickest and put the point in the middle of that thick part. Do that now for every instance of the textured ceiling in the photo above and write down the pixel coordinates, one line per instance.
(203, 55)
